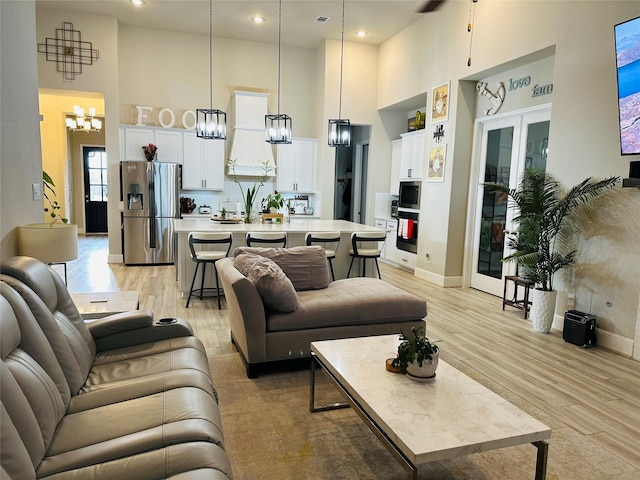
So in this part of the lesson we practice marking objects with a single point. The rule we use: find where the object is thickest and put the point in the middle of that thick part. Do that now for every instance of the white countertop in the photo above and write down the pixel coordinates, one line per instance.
(300, 225)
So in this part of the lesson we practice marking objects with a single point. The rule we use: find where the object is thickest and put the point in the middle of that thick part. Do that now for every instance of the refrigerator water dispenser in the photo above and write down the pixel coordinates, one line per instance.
(134, 201)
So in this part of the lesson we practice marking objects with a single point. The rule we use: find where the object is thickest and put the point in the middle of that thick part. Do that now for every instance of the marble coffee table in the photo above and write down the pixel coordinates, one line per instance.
(423, 422)
(101, 304)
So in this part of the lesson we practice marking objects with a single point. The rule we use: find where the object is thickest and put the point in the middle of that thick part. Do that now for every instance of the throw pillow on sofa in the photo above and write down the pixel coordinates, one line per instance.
(306, 266)
(274, 287)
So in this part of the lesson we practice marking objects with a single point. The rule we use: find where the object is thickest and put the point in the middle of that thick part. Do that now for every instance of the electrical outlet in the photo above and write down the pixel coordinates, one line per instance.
(36, 190)
(571, 300)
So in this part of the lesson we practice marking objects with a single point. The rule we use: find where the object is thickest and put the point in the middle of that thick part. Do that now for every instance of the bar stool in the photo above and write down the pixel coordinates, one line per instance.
(204, 256)
(268, 238)
(357, 251)
(325, 239)
(523, 303)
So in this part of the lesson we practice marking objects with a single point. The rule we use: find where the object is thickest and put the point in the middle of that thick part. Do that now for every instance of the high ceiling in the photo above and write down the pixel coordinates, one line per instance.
(381, 19)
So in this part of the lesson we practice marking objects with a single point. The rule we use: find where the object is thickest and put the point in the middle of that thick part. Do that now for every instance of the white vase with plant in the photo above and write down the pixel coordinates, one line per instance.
(251, 194)
(544, 209)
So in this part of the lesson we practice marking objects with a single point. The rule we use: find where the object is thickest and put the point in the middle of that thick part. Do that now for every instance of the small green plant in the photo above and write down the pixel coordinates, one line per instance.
(273, 200)
(414, 348)
(223, 212)
(250, 197)
(49, 194)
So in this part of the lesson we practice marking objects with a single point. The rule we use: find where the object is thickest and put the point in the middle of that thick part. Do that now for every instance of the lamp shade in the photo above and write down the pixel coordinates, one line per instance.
(49, 242)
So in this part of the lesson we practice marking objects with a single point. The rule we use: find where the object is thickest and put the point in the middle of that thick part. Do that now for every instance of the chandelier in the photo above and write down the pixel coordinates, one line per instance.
(277, 128)
(79, 122)
(340, 128)
(211, 123)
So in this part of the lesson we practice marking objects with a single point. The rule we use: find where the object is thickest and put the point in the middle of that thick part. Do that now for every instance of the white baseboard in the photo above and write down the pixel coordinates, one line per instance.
(608, 340)
(439, 280)
(115, 258)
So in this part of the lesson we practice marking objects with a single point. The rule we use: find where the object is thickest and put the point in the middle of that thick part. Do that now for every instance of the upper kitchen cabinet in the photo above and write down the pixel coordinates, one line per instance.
(297, 165)
(202, 164)
(396, 160)
(169, 143)
(412, 156)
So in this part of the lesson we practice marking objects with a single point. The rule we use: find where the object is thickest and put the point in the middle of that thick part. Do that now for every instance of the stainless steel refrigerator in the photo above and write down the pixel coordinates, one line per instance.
(151, 198)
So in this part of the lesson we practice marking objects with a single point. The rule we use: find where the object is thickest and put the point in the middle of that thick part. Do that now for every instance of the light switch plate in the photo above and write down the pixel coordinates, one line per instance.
(36, 189)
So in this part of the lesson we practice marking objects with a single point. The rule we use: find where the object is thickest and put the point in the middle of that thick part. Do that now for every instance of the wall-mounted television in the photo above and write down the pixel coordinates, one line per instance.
(627, 37)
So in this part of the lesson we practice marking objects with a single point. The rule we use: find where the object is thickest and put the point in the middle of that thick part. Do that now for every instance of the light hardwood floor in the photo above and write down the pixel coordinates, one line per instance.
(591, 394)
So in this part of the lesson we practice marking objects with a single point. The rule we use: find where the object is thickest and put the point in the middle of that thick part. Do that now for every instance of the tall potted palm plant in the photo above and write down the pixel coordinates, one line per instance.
(543, 207)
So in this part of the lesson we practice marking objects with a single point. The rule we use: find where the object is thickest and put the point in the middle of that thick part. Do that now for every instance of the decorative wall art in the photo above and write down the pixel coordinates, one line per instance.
(68, 51)
(437, 158)
(440, 103)
(496, 98)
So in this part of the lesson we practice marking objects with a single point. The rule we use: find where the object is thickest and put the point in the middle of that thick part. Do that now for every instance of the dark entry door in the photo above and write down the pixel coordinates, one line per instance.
(95, 189)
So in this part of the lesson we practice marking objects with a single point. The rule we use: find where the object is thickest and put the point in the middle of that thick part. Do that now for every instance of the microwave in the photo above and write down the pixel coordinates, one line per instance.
(409, 195)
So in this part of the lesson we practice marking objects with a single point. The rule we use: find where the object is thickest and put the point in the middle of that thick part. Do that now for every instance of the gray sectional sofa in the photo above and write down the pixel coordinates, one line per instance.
(266, 329)
(124, 397)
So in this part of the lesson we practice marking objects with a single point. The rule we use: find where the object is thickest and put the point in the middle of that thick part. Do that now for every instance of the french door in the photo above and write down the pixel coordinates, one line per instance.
(505, 146)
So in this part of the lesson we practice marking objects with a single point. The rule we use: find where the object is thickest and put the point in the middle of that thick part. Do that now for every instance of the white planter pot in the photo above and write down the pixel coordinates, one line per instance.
(427, 370)
(543, 307)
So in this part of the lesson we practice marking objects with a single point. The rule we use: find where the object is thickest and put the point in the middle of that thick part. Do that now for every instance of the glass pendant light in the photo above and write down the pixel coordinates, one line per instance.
(210, 123)
(340, 128)
(277, 128)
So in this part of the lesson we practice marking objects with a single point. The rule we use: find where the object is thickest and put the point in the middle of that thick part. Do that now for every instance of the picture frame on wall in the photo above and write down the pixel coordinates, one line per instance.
(440, 103)
(437, 162)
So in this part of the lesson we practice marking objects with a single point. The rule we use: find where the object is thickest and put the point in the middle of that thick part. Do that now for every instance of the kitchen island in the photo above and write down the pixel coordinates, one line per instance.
(296, 231)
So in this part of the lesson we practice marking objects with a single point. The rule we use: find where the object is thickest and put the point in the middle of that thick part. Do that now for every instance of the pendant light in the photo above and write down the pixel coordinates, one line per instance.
(211, 124)
(340, 128)
(277, 128)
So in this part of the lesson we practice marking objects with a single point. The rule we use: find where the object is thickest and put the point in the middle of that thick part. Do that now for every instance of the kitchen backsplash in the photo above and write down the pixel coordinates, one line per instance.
(231, 195)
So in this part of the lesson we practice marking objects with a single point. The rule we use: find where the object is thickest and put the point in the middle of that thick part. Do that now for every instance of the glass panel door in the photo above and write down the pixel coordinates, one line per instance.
(95, 185)
(508, 146)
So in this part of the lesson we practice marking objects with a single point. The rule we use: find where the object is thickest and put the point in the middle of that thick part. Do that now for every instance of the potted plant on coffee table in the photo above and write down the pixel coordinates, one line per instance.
(543, 208)
(417, 356)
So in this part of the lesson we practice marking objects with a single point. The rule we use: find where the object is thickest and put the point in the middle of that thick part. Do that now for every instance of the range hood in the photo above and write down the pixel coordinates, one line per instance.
(248, 146)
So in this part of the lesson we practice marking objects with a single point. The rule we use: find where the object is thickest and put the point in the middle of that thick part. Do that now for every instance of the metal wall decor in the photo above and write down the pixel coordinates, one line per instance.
(438, 133)
(496, 98)
(68, 51)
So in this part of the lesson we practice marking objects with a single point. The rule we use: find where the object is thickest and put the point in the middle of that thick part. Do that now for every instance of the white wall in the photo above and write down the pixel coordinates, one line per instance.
(583, 139)
(19, 119)
(102, 77)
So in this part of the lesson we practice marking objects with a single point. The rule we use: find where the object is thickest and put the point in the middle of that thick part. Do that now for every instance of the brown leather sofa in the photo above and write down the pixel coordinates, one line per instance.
(124, 397)
(352, 307)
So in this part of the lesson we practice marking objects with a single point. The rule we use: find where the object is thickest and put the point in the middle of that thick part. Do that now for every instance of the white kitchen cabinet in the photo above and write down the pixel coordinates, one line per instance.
(381, 223)
(202, 163)
(390, 242)
(297, 165)
(169, 143)
(412, 155)
(396, 159)
(406, 259)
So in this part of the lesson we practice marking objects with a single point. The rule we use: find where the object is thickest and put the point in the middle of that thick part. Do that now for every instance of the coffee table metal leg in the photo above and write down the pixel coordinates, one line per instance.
(412, 470)
(312, 393)
(541, 460)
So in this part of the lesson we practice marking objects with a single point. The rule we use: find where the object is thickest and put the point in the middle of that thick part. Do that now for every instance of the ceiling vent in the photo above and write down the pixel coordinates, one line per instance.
(321, 19)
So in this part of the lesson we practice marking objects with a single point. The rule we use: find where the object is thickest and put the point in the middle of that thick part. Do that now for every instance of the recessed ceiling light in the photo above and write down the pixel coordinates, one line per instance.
(257, 19)
(137, 3)
(361, 33)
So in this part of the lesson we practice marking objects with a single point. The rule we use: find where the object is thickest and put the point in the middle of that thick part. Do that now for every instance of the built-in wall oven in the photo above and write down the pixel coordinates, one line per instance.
(407, 235)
